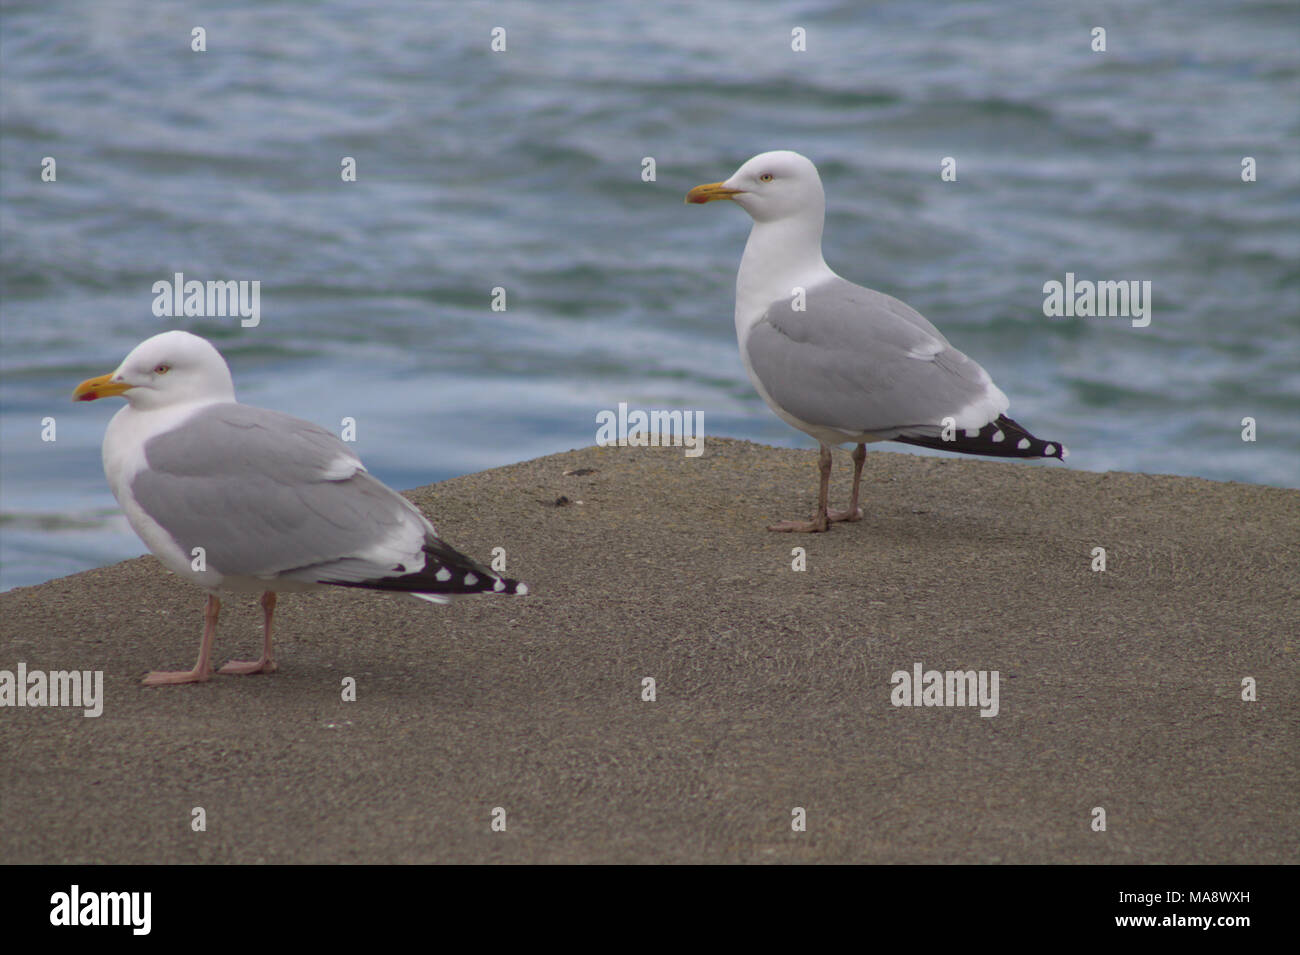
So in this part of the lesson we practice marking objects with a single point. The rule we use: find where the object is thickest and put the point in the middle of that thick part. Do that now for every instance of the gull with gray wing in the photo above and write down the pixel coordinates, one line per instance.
(842, 362)
(238, 498)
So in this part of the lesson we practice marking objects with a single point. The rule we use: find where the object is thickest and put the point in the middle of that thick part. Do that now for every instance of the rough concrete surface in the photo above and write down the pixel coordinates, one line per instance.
(1118, 689)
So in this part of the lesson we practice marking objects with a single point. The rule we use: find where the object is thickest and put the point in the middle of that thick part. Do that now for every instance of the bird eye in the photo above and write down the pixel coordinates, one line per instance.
(766, 177)
(162, 369)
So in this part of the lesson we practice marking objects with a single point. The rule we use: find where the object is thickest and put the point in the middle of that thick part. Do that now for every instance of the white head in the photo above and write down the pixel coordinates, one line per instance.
(169, 369)
(771, 187)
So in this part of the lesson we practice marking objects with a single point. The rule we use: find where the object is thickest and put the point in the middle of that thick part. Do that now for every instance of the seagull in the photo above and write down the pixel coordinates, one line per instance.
(841, 362)
(238, 498)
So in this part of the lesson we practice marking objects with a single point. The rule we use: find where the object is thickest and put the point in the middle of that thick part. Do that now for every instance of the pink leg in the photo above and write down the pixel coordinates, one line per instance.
(854, 513)
(820, 521)
(267, 663)
(203, 669)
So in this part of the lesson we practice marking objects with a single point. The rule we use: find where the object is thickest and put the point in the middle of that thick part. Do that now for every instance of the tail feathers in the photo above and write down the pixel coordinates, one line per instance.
(446, 573)
(1002, 438)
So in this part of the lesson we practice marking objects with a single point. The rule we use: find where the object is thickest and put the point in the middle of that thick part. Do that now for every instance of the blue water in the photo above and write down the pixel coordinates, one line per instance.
(522, 169)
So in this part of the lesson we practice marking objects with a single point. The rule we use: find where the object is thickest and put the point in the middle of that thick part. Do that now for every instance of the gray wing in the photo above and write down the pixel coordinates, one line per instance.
(861, 361)
(265, 493)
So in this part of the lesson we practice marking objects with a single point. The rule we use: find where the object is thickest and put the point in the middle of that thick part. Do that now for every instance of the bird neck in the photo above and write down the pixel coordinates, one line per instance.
(779, 257)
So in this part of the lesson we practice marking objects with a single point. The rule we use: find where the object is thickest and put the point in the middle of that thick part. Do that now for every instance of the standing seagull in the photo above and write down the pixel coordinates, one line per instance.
(839, 361)
(240, 498)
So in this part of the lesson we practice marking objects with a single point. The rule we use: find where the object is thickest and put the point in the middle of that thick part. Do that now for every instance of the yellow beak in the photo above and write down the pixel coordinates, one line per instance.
(101, 387)
(711, 191)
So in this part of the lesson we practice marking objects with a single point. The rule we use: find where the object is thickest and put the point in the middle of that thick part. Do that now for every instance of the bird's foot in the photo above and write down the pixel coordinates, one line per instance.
(816, 526)
(245, 667)
(846, 515)
(171, 677)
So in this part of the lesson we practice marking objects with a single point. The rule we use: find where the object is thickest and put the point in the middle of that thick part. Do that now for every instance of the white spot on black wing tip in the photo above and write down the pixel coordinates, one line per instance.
(998, 435)
(1023, 444)
(521, 588)
(443, 574)
(470, 580)
(499, 585)
(1050, 450)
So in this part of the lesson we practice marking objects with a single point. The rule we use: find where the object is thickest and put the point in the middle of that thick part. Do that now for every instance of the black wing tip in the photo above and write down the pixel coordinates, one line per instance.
(1003, 438)
(456, 585)
(446, 573)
